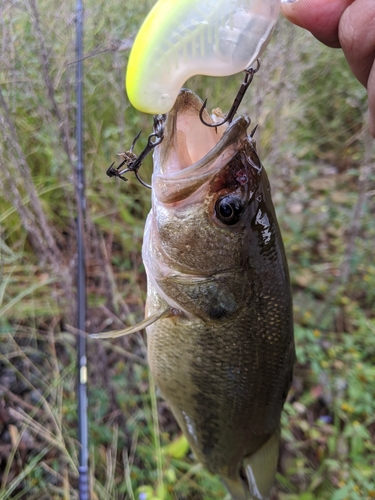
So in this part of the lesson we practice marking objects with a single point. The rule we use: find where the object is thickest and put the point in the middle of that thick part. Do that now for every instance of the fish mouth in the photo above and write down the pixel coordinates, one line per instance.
(191, 153)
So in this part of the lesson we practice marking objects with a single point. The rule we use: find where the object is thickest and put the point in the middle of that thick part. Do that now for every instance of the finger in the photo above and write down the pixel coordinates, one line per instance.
(357, 38)
(321, 17)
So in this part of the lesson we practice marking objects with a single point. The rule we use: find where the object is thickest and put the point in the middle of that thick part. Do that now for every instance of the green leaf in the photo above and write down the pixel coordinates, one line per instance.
(178, 448)
(341, 494)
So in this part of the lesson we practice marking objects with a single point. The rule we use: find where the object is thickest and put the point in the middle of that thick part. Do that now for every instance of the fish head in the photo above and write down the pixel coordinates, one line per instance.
(205, 181)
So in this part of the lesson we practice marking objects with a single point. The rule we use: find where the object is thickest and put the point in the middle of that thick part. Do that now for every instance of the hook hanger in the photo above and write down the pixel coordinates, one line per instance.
(249, 75)
(131, 160)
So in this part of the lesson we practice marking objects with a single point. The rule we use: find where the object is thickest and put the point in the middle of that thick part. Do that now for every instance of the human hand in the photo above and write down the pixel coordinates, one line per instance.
(349, 24)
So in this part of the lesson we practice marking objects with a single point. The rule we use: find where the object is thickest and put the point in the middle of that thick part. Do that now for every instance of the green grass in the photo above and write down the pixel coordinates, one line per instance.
(313, 141)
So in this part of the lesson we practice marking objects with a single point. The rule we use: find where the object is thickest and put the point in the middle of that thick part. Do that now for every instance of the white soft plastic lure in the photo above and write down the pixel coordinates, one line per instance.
(183, 38)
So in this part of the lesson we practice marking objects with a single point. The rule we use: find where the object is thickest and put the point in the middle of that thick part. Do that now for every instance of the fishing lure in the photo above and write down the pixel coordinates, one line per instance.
(180, 39)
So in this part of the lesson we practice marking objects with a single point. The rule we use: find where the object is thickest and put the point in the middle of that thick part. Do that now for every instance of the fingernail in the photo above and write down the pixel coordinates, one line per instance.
(288, 1)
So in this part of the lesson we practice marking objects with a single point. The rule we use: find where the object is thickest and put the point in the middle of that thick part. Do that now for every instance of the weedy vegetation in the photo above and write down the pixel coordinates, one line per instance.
(314, 143)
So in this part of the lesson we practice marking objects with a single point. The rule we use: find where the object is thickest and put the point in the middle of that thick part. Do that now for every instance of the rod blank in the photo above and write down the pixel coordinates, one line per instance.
(84, 487)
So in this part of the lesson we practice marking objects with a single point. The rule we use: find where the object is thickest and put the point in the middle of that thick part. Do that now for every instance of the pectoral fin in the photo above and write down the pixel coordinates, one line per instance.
(260, 468)
(136, 328)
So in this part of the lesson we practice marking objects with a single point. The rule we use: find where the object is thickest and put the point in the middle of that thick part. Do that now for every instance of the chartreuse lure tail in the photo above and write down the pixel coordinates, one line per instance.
(183, 38)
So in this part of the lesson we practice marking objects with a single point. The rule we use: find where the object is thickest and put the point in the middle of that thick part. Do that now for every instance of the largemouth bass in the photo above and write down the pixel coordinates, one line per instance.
(219, 306)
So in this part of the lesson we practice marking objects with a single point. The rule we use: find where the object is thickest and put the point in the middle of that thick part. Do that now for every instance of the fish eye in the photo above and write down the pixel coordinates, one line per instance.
(229, 209)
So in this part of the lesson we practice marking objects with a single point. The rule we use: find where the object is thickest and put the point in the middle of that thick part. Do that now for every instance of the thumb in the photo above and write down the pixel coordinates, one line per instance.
(321, 17)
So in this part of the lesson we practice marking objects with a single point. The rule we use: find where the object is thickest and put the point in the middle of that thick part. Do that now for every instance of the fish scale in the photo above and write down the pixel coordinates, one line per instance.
(227, 411)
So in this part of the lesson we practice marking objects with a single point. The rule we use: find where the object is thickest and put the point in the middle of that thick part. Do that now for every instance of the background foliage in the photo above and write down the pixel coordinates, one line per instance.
(314, 143)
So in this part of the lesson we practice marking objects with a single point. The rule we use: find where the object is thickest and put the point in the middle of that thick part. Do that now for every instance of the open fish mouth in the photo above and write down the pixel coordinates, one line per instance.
(191, 152)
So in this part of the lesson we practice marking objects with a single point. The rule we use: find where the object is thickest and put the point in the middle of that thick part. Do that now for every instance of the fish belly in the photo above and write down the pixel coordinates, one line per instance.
(225, 384)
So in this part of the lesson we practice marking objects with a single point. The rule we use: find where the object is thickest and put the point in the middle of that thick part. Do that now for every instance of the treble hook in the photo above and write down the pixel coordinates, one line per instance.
(131, 160)
(249, 75)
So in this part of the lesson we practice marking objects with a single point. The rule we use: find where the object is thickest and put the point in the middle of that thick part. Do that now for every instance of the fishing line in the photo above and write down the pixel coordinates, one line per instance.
(83, 484)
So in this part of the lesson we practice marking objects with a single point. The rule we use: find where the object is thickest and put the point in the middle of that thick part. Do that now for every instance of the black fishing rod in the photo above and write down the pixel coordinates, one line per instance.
(83, 485)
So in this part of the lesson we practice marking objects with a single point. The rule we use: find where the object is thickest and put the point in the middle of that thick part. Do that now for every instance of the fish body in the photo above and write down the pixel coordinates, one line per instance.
(223, 358)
